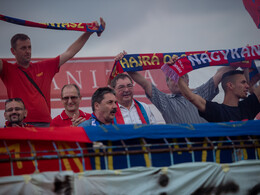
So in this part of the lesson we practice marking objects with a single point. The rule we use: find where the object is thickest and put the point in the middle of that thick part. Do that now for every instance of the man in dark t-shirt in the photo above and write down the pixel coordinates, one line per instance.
(235, 87)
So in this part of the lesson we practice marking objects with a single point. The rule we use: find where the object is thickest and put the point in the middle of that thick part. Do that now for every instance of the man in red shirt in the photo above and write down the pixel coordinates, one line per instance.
(72, 115)
(32, 81)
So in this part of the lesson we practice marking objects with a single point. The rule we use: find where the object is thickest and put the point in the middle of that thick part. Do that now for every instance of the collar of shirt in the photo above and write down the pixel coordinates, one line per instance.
(173, 95)
(64, 116)
(132, 105)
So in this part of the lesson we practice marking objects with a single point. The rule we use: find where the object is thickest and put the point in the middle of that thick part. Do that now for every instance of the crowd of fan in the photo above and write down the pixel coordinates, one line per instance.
(28, 86)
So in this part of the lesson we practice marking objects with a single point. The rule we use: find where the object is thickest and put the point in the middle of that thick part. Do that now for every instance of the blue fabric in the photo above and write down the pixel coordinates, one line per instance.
(124, 132)
(143, 112)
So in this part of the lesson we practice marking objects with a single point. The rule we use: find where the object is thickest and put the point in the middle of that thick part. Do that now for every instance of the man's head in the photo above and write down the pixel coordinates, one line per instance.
(235, 82)
(15, 111)
(21, 49)
(123, 86)
(71, 98)
(173, 86)
(103, 104)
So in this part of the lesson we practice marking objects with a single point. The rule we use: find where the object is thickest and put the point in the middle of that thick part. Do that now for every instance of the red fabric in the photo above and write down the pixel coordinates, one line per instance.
(120, 119)
(18, 85)
(75, 134)
(63, 119)
(8, 124)
(24, 150)
(258, 116)
(252, 6)
(118, 116)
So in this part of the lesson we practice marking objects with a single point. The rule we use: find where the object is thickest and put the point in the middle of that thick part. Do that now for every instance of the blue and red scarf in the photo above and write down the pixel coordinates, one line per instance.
(188, 61)
(140, 110)
(85, 27)
(8, 124)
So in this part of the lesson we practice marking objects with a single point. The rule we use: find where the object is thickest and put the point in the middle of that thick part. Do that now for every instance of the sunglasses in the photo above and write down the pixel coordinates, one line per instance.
(16, 109)
(73, 98)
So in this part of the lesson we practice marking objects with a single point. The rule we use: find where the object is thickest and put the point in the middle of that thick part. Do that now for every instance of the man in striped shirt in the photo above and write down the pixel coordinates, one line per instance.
(174, 107)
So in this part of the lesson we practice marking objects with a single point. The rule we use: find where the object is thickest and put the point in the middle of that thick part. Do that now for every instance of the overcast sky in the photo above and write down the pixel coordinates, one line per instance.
(137, 26)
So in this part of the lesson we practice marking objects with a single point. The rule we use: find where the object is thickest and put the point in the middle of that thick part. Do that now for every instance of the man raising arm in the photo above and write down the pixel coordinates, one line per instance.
(175, 108)
(31, 81)
(235, 87)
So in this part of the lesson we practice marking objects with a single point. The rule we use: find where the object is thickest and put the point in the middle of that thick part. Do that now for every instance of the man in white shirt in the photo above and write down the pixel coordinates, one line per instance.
(130, 111)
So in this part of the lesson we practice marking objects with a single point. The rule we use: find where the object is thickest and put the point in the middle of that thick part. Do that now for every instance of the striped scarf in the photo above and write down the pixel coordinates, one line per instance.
(188, 61)
(85, 27)
(140, 110)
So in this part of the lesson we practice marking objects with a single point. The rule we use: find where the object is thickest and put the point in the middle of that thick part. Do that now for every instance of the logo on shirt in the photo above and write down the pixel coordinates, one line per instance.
(39, 74)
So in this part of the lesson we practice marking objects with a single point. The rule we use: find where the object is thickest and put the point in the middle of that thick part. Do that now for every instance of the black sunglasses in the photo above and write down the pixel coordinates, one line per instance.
(70, 97)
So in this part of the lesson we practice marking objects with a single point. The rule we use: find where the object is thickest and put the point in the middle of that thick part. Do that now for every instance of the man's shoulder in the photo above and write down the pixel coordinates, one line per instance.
(86, 123)
(143, 103)
(45, 61)
(9, 64)
(60, 117)
(84, 114)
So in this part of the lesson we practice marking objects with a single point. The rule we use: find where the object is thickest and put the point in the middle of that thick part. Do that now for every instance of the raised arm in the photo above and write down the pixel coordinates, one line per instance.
(138, 78)
(257, 92)
(78, 44)
(254, 89)
(195, 99)
(217, 77)
(1, 66)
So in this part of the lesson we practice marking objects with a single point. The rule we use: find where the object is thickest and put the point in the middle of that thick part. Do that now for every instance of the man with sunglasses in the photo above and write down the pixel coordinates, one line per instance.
(31, 81)
(15, 113)
(72, 115)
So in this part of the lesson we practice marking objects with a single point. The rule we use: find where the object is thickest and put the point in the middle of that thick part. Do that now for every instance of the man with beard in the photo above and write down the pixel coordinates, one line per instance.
(235, 86)
(15, 113)
(104, 107)
(130, 111)
(72, 115)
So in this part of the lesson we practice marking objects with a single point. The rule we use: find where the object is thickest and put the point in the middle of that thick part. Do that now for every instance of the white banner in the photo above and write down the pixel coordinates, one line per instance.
(187, 178)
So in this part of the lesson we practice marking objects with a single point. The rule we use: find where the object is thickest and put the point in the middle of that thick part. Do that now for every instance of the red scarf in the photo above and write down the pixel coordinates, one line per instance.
(8, 124)
(119, 117)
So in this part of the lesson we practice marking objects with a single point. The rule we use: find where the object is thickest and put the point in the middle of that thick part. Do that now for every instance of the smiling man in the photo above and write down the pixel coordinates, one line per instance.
(130, 111)
(15, 113)
(104, 107)
(72, 115)
(235, 86)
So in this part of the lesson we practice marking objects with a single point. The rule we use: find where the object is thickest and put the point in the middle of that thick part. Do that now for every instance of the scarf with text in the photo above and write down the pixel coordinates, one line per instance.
(140, 110)
(188, 61)
(85, 27)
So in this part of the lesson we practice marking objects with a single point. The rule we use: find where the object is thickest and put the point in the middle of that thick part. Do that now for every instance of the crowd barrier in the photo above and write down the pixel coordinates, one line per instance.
(34, 150)
(210, 158)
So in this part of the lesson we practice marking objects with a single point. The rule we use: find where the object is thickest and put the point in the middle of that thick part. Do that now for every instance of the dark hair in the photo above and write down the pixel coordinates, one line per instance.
(70, 85)
(98, 95)
(14, 99)
(120, 76)
(228, 77)
(17, 37)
